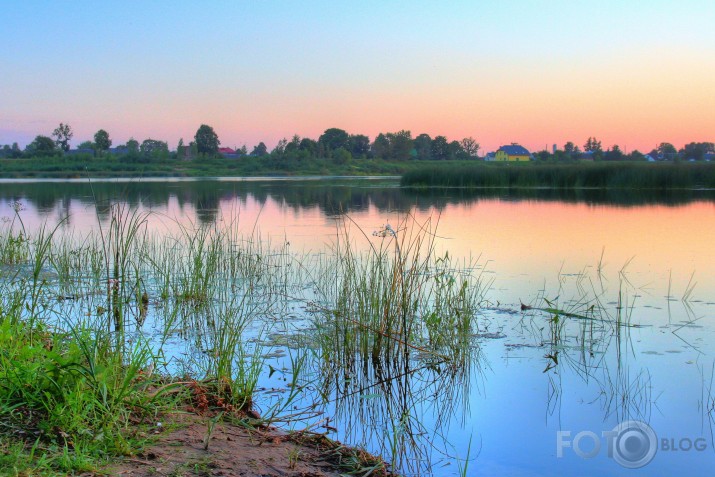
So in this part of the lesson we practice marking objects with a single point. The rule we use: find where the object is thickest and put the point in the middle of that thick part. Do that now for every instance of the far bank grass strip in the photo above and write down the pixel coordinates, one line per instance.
(600, 175)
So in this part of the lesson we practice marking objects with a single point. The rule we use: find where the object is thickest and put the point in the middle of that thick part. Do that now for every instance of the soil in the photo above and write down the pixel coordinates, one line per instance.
(233, 450)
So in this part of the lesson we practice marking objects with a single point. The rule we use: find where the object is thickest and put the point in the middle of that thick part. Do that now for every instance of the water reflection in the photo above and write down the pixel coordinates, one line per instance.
(335, 197)
(527, 375)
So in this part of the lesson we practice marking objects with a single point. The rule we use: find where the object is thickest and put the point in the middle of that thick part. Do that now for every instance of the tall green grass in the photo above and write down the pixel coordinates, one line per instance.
(86, 324)
(398, 297)
(659, 176)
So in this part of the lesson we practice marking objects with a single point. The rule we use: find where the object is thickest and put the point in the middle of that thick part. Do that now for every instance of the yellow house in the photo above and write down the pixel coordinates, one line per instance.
(514, 152)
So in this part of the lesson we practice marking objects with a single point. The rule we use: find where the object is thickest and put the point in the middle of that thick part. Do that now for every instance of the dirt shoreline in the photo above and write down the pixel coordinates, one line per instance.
(235, 450)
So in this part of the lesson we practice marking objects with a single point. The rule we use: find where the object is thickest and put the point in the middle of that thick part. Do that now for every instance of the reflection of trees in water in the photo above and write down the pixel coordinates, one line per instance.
(333, 197)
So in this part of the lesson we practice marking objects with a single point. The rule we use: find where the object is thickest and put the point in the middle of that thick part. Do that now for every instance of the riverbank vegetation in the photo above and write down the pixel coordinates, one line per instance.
(104, 335)
(65, 167)
(600, 175)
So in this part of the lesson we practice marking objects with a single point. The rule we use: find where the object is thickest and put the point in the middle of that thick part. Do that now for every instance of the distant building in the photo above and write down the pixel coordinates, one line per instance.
(489, 157)
(512, 153)
(227, 152)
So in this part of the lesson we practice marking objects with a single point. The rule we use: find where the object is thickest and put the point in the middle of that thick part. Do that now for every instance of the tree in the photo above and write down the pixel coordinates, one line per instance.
(102, 141)
(400, 145)
(308, 145)
(592, 145)
(440, 148)
(12, 152)
(613, 154)
(358, 145)
(697, 150)
(571, 150)
(666, 148)
(455, 151)
(381, 147)
(155, 149)
(280, 147)
(62, 134)
(260, 150)
(333, 139)
(423, 147)
(294, 145)
(206, 140)
(41, 146)
(86, 145)
(470, 146)
(133, 146)
(341, 156)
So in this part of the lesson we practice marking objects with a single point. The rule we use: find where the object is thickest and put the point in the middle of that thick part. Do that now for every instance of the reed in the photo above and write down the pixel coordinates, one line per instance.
(600, 175)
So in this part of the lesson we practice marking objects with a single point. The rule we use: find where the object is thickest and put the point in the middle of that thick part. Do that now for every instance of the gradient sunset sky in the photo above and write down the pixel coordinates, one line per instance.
(632, 73)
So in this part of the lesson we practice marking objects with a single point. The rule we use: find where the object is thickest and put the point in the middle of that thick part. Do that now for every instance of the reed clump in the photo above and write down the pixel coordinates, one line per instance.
(399, 297)
(599, 175)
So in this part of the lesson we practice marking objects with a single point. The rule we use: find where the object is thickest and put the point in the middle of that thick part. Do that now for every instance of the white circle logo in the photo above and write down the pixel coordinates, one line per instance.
(634, 445)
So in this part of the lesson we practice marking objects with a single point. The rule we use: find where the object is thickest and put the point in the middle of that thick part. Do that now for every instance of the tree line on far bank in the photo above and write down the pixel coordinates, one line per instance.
(335, 145)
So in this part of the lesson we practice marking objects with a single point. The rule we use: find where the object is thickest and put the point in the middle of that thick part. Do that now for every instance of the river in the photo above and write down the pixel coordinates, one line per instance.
(529, 405)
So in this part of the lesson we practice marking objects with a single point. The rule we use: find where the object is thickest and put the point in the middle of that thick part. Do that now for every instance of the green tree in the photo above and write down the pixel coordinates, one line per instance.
(86, 145)
(423, 147)
(62, 134)
(341, 156)
(308, 145)
(133, 146)
(358, 145)
(470, 147)
(333, 139)
(456, 151)
(207, 140)
(260, 150)
(400, 145)
(440, 148)
(41, 146)
(570, 149)
(613, 154)
(294, 145)
(102, 141)
(280, 147)
(381, 147)
(666, 148)
(697, 150)
(151, 148)
(592, 145)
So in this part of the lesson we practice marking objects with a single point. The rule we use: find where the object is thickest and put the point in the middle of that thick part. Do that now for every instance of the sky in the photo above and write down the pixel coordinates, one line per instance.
(628, 72)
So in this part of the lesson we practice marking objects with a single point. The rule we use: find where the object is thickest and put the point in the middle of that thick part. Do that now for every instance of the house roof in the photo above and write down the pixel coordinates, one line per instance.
(226, 150)
(514, 150)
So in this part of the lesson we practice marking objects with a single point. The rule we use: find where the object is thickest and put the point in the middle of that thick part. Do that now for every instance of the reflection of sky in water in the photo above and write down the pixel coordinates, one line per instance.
(531, 249)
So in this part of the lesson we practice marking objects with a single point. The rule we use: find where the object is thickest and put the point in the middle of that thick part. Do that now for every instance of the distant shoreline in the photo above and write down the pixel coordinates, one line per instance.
(597, 175)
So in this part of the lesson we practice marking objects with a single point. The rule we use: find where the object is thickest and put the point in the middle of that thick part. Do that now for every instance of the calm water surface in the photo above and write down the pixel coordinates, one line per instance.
(648, 258)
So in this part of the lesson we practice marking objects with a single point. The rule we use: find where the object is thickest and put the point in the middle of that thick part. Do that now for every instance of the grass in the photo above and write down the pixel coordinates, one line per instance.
(600, 175)
(75, 167)
(399, 297)
(85, 324)
(395, 329)
(76, 367)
